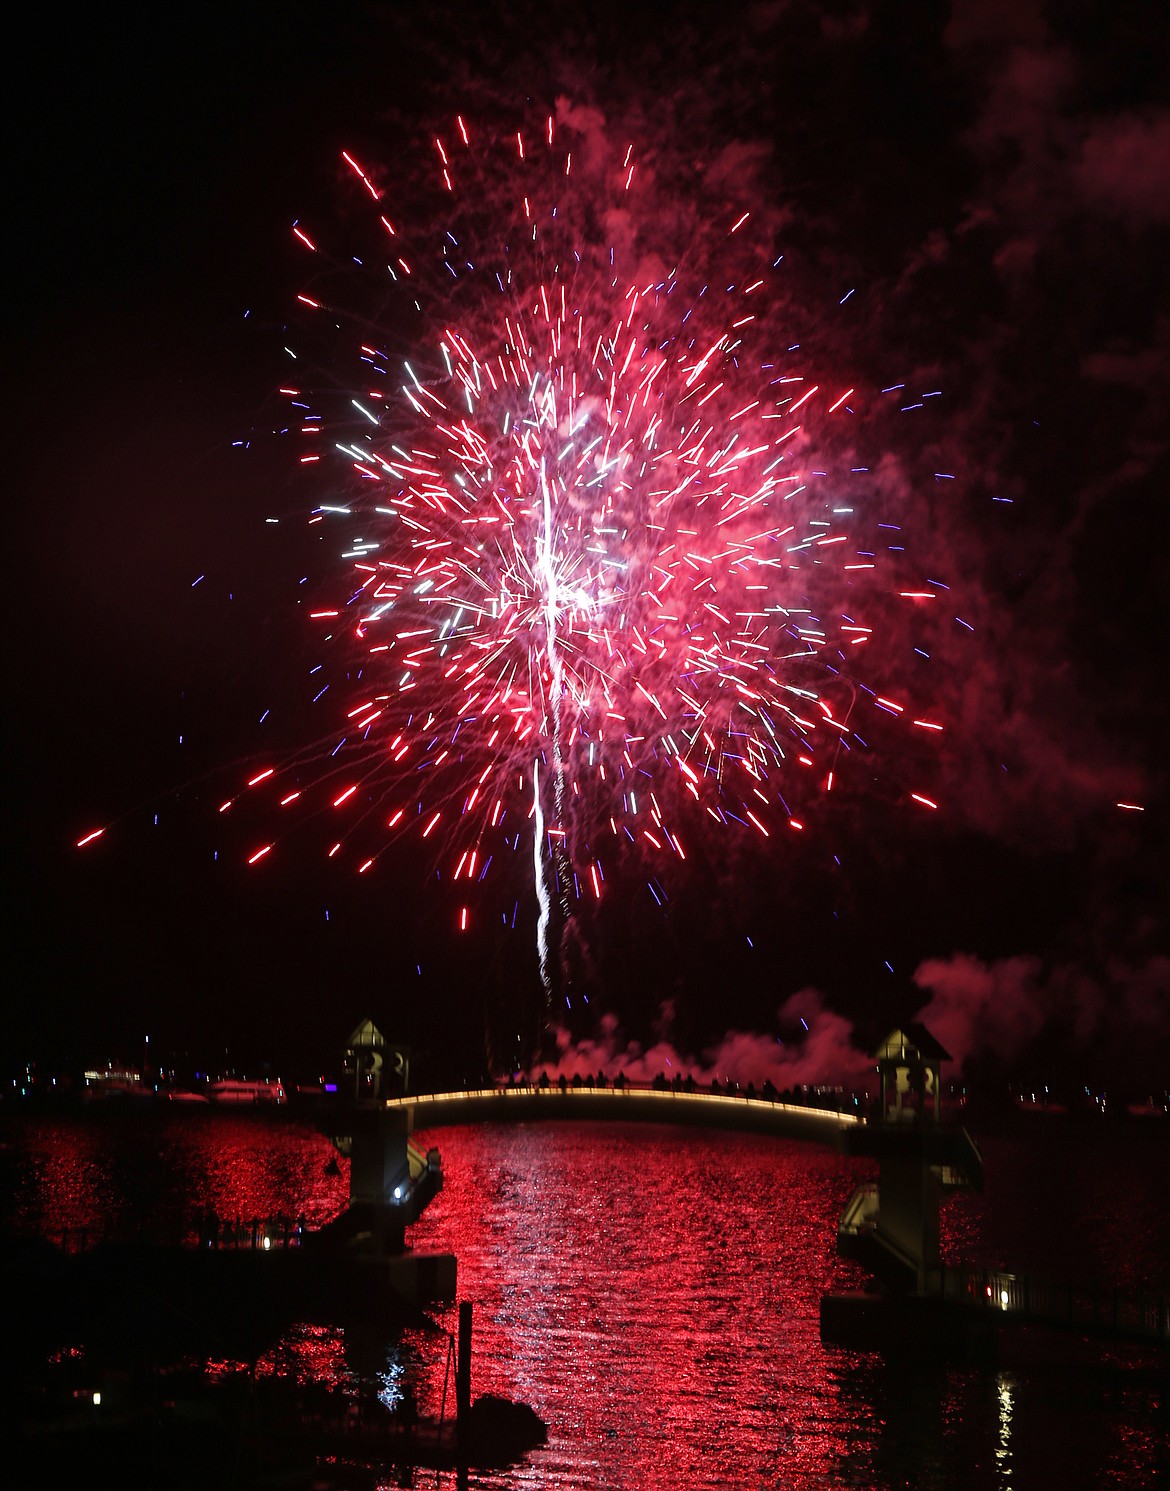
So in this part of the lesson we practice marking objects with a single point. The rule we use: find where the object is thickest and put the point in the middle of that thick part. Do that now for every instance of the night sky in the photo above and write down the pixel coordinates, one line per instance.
(992, 181)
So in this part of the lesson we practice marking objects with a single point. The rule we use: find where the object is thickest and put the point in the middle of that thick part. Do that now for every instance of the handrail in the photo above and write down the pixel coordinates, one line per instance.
(862, 1219)
(852, 1216)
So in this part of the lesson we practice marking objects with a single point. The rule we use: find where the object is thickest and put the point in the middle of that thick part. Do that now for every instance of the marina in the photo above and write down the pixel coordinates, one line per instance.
(322, 1338)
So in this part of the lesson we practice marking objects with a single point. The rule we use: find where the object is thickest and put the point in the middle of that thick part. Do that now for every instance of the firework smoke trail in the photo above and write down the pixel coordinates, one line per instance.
(542, 896)
(595, 551)
(547, 579)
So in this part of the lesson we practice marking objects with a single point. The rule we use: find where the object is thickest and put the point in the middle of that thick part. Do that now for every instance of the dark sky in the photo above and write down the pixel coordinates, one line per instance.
(995, 177)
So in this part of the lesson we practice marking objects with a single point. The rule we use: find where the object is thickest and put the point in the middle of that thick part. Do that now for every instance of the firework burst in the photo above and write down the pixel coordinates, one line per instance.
(604, 593)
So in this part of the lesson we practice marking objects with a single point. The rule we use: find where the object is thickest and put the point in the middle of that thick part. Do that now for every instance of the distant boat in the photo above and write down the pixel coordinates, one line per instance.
(234, 1093)
(181, 1095)
(120, 1084)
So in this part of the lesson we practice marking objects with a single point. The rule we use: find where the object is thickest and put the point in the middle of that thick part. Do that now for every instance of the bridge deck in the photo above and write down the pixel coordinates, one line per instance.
(627, 1105)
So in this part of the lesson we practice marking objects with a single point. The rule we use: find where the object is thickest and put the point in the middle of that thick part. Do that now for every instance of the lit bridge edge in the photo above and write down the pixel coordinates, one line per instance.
(629, 1104)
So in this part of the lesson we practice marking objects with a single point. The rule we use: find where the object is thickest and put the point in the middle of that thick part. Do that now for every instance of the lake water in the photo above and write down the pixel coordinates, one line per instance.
(654, 1293)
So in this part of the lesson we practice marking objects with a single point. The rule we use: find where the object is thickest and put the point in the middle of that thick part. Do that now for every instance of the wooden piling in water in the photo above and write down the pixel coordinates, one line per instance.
(463, 1365)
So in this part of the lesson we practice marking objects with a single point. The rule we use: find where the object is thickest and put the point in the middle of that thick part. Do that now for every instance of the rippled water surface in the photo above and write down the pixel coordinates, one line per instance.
(654, 1294)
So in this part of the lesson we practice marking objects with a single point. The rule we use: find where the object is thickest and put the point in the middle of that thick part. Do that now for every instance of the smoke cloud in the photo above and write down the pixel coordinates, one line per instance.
(1015, 1015)
(1020, 1008)
(818, 1048)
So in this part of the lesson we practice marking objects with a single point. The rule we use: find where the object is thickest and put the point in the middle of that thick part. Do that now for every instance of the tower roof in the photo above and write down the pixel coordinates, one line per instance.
(367, 1034)
(911, 1039)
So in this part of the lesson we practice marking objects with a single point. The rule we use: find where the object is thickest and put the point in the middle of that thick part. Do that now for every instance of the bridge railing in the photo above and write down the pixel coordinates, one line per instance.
(1119, 1313)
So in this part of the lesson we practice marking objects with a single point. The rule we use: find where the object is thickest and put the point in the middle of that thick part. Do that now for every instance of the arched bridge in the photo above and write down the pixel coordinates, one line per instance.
(626, 1105)
(890, 1227)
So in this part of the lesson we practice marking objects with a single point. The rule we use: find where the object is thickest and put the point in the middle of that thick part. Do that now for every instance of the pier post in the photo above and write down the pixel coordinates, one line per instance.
(463, 1365)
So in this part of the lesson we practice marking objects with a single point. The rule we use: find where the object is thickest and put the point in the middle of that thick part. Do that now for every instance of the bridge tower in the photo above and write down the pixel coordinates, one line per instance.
(891, 1226)
(391, 1180)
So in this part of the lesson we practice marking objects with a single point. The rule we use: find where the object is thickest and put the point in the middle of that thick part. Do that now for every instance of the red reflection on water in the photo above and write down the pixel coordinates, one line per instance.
(653, 1293)
(65, 1181)
(255, 1167)
(309, 1356)
(99, 1174)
